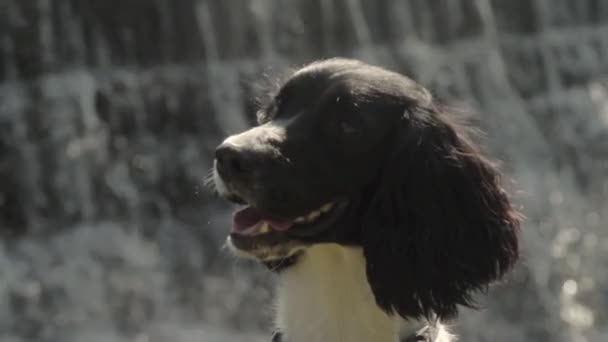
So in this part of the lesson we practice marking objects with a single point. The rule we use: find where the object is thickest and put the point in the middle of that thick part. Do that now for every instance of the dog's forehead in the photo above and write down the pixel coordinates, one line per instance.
(309, 81)
(330, 66)
(317, 76)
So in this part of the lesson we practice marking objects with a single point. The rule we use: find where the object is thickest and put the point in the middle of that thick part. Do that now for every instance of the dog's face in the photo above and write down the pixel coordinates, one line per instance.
(319, 141)
(354, 154)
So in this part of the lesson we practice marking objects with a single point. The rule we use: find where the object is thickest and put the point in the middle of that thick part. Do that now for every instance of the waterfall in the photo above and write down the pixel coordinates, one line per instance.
(110, 111)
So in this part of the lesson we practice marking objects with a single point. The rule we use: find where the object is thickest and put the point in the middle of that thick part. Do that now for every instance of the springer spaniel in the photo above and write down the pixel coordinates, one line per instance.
(368, 199)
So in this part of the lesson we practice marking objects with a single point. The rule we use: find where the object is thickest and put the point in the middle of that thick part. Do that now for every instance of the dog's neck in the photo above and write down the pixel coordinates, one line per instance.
(325, 297)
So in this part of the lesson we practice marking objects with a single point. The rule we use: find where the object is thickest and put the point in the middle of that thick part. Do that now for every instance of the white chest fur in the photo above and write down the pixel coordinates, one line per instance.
(325, 297)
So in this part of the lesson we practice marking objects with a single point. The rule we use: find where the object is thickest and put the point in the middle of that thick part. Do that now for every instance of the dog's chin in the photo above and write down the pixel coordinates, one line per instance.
(270, 241)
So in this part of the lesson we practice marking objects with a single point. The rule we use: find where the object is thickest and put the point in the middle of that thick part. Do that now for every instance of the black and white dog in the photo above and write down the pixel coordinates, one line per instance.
(367, 197)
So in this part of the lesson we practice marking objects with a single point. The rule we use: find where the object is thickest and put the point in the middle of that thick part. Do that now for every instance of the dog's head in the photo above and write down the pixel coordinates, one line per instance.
(354, 154)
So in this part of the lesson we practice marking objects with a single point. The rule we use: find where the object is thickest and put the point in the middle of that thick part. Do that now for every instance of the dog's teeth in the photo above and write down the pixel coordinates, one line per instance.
(327, 207)
(313, 215)
(264, 228)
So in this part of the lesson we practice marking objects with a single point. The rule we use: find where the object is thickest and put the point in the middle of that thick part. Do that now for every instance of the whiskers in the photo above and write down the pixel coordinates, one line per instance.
(209, 181)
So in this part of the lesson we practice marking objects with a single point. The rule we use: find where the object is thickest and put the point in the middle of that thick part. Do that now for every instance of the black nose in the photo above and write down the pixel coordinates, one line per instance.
(232, 160)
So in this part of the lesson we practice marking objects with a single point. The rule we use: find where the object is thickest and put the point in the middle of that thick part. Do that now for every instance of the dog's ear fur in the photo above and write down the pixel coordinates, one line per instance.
(439, 226)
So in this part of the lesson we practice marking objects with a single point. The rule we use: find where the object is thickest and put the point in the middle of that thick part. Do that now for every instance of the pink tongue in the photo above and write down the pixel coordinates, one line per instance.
(279, 224)
(248, 217)
(245, 218)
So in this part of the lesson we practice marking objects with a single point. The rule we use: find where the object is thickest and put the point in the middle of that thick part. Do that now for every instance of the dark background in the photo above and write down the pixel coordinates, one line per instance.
(110, 111)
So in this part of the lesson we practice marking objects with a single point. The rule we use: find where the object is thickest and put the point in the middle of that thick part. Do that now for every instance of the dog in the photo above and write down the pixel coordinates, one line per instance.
(370, 201)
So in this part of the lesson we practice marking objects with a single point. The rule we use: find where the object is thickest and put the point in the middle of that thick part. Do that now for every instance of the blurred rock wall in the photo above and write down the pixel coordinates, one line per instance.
(110, 110)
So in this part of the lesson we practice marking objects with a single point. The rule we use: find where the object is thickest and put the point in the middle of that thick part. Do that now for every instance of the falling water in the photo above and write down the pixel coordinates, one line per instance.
(110, 110)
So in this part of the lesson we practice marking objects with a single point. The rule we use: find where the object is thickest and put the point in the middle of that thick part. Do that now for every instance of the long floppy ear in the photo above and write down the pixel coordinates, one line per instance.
(439, 225)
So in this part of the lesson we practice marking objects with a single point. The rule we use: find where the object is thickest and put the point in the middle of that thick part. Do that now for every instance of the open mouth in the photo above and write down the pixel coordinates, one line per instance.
(252, 229)
(248, 221)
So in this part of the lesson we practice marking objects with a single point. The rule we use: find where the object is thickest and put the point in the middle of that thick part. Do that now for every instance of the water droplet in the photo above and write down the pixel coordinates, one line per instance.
(570, 287)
